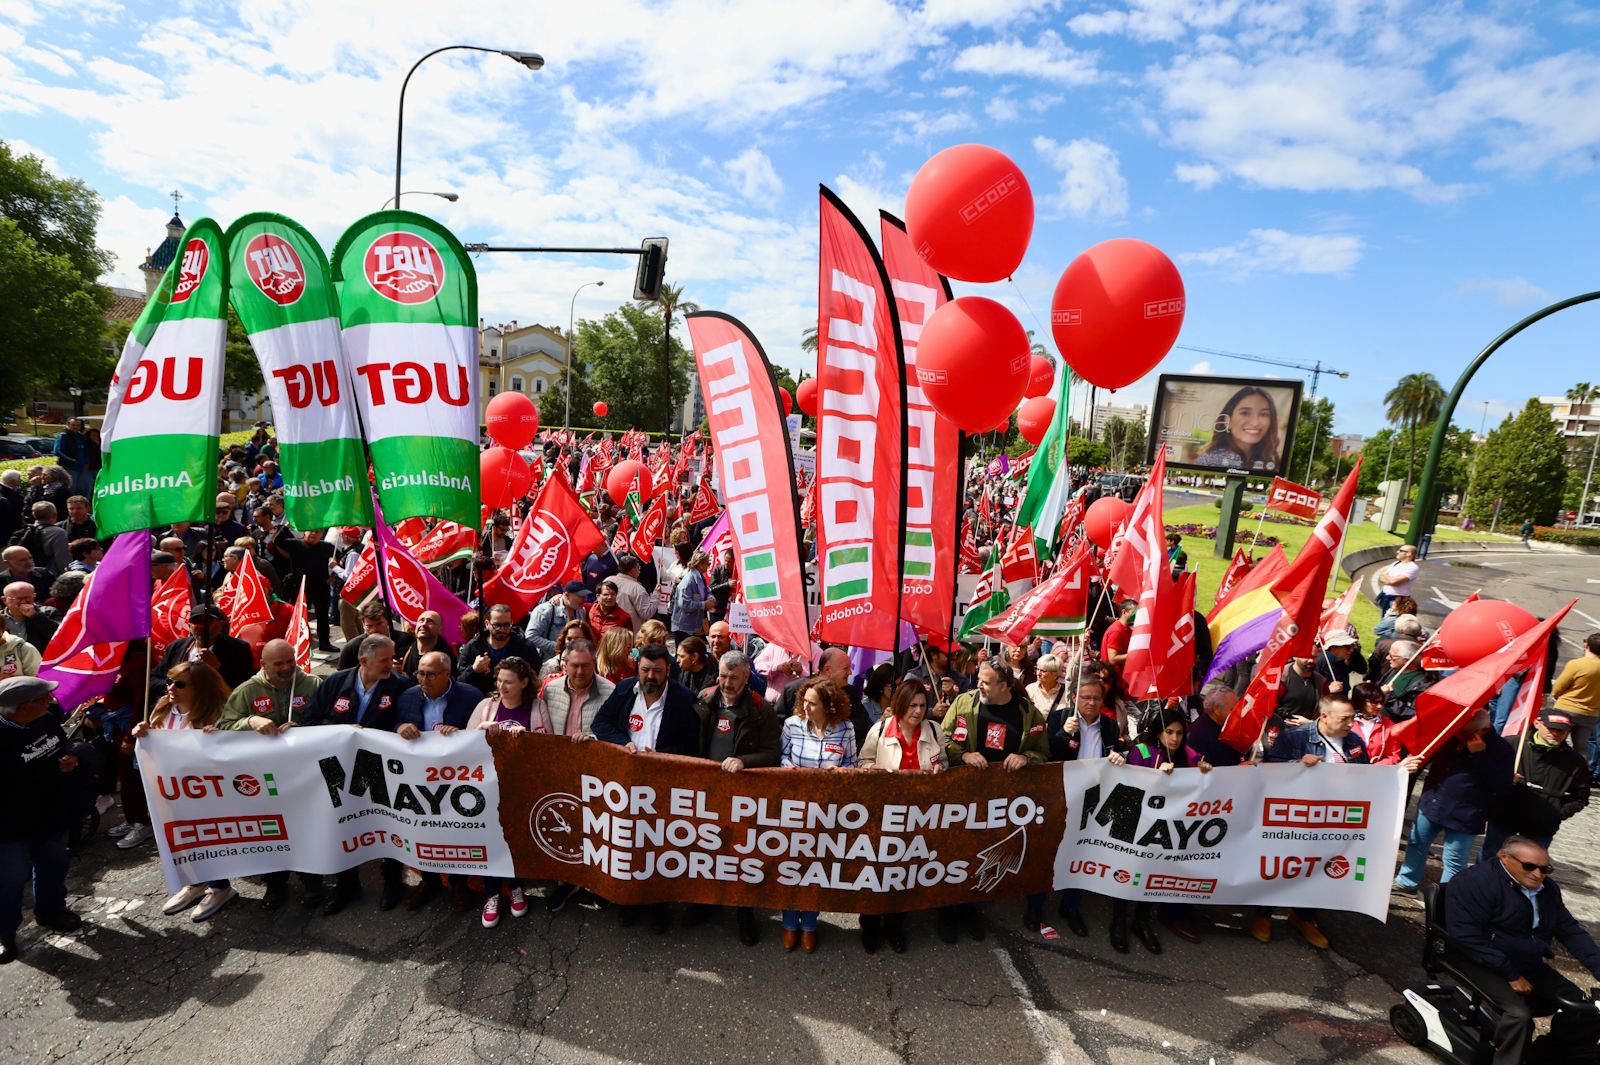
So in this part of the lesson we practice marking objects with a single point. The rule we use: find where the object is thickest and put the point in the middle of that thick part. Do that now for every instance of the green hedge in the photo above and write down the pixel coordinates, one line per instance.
(1575, 537)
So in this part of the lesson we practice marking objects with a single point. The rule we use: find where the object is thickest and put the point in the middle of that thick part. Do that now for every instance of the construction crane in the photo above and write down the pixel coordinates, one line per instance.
(1316, 371)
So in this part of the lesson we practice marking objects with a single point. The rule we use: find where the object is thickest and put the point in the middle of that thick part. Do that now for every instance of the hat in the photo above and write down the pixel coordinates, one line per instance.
(1340, 638)
(1559, 719)
(576, 588)
(14, 691)
(201, 611)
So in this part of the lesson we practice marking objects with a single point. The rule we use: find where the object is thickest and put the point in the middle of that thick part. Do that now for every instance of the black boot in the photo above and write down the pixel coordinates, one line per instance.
(894, 930)
(871, 932)
(948, 931)
(1119, 933)
(1147, 934)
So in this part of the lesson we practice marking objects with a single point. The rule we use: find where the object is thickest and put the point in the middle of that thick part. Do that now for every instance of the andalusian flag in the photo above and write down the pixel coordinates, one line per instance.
(408, 305)
(989, 599)
(280, 289)
(1047, 495)
(164, 412)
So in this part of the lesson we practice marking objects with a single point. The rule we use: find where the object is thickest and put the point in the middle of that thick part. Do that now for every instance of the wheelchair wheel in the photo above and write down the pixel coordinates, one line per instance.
(1408, 1025)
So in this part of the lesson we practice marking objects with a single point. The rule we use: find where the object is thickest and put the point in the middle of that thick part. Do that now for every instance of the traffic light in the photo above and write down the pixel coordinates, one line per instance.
(652, 268)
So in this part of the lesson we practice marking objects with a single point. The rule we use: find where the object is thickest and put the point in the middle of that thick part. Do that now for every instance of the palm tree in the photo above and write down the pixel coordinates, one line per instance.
(1416, 399)
(1583, 393)
(670, 302)
(808, 340)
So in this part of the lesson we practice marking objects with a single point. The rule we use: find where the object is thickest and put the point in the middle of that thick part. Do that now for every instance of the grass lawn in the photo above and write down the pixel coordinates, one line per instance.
(1209, 569)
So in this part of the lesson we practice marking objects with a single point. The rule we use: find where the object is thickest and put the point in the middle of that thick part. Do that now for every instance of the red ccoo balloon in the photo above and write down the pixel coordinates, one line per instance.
(1103, 518)
(601, 410)
(1034, 418)
(1117, 311)
(504, 475)
(512, 420)
(620, 480)
(969, 213)
(972, 362)
(1480, 628)
(1041, 376)
(805, 396)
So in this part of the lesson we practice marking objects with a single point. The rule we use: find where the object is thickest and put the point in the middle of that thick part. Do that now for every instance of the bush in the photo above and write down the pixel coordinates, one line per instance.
(1575, 537)
(1245, 506)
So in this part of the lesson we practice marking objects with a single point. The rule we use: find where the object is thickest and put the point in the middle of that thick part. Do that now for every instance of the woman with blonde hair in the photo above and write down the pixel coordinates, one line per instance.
(194, 699)
(652, 631)
(614, 660)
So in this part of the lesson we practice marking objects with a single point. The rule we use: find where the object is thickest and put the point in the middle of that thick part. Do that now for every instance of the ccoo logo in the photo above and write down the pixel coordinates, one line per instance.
(404, 267)
(196, 260)
(275, 268)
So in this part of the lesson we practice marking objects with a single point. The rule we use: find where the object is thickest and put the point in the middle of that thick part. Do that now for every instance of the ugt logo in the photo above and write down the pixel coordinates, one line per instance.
(196, 258)
(1124, 815)
(404, 267)
(275, 268)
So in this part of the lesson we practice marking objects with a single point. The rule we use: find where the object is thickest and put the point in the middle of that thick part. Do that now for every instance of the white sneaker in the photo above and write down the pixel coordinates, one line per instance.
(136, 835)
(104, 803)
(116, 831)
(215, 899)
(519, 902)
(491, 911)
(183, 899)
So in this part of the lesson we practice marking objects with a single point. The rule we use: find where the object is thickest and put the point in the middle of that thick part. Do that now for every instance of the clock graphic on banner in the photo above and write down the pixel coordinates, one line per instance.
(554, 824)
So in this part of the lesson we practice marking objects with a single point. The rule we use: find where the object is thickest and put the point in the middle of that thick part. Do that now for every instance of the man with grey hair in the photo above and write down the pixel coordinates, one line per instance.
(47, 540)
(34, 754)
(573, 696)
(367, 696)
(1401, 675)
(632, 596)
(835, 665)
(23, 617)
(11, 504)
(739, 730)
(1217, 700)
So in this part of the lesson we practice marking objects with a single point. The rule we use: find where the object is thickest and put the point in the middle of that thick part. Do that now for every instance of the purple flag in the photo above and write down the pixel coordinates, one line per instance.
(114, 605)
(87, 675)
(410, 587)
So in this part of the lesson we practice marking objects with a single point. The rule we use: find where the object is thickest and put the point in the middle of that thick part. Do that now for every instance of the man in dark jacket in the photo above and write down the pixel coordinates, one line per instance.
(1553, 785)
(1465, 775)
(208, 641)
(738, 730)
(22, 616)
(35, 760)
(1503, 918)
(835, 665)
(481, 654)
(366, 697)
(651, 712)
(1084, 732)
(436, 703)
(374, 622)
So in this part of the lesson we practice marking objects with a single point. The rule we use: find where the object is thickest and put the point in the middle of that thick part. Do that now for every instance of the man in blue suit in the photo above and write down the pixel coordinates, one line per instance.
(439, 703)
(651, 713)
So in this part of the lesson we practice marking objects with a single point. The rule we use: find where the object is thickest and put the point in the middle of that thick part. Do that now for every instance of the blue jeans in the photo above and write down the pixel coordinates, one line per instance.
(43, 856)
(1594, 751)
(1384, 601)
(800, 920)
(1497, 834)
(1500, 707)
(1457, 852)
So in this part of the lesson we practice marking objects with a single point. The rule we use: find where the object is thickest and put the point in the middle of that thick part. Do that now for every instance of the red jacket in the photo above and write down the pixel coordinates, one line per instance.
(1382, 748)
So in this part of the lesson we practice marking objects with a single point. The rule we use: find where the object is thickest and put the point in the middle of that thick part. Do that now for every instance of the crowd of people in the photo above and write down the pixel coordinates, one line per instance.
(642, 652)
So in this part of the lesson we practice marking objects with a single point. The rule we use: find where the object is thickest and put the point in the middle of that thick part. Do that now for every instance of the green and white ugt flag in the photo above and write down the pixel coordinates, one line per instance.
(408, 305)
(164, 411)
(280, 288)
(989, 599)
(1045, 501)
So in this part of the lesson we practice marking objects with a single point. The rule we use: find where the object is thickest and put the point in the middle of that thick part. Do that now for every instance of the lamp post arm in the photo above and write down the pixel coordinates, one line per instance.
(400, 119)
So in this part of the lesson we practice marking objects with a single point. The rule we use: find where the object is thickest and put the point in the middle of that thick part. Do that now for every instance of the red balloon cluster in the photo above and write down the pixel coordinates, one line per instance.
(601, 410)
(1117, 311)
(1103, 518)
(1480, 628)
(620, 480)
(805, 396)
(972, 362)
(512, 420)
(1034, 419)
(969, 213)
(1041, 376)
(504, 476)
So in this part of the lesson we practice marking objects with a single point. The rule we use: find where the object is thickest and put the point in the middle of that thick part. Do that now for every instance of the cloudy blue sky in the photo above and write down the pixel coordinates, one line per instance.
(1379, 186)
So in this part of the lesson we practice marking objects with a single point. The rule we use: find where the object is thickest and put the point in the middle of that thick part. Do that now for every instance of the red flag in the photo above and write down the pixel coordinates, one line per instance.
(408, 586)
(971, 560)
(1020, 562)
(1241, 565)
(1260, 699)
(1530, 697)
(1144, 539)
(169, 609)
(644, 540)
(808, 508)
(1295, 499)
(299, 632)
(1443, 706)
(1336, 618)
(446, 541)
(1132, 567)
(1175, 677)
(110, 606)
(619, 541)
(705, 504)
(87, 675)
(1318, 553)
(363, 578)
(411, 531)
(1056, 608)
(549, 548)
(1071, 519)
(248, 601)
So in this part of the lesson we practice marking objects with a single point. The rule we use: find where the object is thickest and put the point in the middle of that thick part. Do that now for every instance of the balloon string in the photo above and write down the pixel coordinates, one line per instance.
(1031, 312)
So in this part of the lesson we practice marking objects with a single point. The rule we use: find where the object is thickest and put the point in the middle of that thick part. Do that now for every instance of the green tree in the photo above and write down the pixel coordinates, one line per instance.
(1455, 461)
(670, 304)
(1414, 400)
(52, 306)
(617, 359)
(808, 340)
(1313, 444)
(1125, 441)
(1523, 464)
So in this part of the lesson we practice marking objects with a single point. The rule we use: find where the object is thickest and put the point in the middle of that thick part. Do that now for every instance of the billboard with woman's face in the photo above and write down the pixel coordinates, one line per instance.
(1224, 424)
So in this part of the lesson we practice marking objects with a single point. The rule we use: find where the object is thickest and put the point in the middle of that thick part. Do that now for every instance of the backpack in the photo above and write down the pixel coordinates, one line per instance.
(30, 536)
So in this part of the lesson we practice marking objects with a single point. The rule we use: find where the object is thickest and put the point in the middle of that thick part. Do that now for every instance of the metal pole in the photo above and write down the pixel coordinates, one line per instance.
(666, 369)
(570, 307)
(1587, 479)
(1316, 428)
(1422, 513)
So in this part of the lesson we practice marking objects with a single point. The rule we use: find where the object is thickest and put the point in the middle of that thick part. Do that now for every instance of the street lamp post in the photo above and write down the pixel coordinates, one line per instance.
(570, 308)
(451, 196)
(531, 60)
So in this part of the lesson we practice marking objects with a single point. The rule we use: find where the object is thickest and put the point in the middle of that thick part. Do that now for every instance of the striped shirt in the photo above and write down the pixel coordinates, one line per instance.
(804, 749)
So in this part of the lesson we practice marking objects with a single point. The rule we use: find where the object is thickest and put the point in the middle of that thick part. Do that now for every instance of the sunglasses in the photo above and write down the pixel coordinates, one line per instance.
(1535, 867)
(499, 624)
(180, 684)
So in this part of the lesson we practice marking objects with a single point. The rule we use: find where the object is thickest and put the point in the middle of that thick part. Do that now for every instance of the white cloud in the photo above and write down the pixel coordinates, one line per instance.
(1002, 109)
(1200, 175)
(1203, 366)
(1276, 251)
(1507, 291)
(128, 231)
(943, 14)
(919, 127)
(755, 176)
(869, 189)
(1050, 60)
(1092, 185)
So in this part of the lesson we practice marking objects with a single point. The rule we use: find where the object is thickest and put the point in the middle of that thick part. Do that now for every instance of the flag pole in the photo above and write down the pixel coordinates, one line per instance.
(149, 656)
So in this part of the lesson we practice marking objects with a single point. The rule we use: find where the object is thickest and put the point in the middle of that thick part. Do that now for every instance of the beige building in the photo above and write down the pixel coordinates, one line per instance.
(531, 359)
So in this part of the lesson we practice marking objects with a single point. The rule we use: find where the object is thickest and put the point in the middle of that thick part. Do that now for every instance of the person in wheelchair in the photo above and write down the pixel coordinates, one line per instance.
(1501, 921)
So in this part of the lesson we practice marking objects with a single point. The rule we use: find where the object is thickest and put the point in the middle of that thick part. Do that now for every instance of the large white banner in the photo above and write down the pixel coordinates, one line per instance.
(318, 800)
(1274, 835)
